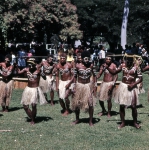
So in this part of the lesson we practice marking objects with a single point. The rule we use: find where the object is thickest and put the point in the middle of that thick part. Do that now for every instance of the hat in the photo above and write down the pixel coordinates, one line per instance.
(31, 60)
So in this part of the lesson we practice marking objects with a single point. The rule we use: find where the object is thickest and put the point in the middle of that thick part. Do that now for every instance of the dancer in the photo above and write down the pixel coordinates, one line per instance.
(32, 93)
(63, 77)
(139, 63)
(143, 69)
(107, 86)
(84, 88)
(48, 84)
(7, 83)
(127, 92)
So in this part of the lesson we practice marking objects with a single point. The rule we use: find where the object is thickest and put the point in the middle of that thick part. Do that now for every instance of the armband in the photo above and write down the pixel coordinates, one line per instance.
(95, 84)
(94, 71)
(42, 74)
(113, 83)
(9, 72)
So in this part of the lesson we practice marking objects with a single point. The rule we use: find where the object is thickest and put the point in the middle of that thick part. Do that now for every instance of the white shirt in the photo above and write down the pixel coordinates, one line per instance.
(102, 54)
(13, 59)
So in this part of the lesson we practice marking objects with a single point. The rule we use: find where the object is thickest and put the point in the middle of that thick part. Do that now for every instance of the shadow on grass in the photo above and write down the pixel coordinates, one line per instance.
(144, 113)
(55, 101)
(138, 106)
(39, 119)
(86, 120)
(113, 113)
(15, 108)
(128, 123)
(1, 115)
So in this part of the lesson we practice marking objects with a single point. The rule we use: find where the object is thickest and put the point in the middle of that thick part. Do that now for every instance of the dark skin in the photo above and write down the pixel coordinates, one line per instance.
(49, 63)
(143, 70)
(32, 82)
(79, 78)
(132, 83)
(64, 77)
(108, 77)
(6, 76)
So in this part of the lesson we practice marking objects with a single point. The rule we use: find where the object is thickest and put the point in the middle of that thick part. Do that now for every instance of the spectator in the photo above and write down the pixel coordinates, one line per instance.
(127, 49)
(79, 49)
(32, 50)
(145, 55)
(102, 55)
(134, 49)
(29, 54)
(21, 58)
(13, 61)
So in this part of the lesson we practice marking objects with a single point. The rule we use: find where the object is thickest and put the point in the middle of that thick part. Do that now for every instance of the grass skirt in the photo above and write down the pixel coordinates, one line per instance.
(103, 93)
(140, 90)
(123, 96)
(48, 84)
(6, 92)
(33, 96)
(62, 89)
(83, 97)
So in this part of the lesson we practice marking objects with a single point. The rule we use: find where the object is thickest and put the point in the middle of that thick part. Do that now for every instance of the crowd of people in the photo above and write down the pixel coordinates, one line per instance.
(75, 82)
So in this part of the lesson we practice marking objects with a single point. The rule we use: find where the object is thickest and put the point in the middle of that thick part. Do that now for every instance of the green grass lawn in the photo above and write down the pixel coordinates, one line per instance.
(55, 132)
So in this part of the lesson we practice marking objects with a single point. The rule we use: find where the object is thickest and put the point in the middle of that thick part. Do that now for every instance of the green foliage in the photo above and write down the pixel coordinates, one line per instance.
(98, 16)
(28, 17)
(24, 19)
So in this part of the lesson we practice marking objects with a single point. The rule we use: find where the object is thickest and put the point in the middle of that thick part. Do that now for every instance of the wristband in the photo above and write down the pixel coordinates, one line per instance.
(95, 84)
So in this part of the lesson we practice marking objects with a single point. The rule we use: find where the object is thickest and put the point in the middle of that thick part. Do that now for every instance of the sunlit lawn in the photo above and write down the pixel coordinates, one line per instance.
(54, 132)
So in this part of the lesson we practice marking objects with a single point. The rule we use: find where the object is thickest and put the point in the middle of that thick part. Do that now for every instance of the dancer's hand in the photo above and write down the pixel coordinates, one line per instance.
(110, 90)
(95, 91)
(67, 86)
(130, 86)
(74, 88)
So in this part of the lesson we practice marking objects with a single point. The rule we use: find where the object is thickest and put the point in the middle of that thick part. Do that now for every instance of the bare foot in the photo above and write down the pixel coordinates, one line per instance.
(32, 122)
(75, 122)
(102, 113)
(91, 124)
(6, 110)
(65, 113)
(51, 103)
(121, 126)
(137, 126)
(109, 115)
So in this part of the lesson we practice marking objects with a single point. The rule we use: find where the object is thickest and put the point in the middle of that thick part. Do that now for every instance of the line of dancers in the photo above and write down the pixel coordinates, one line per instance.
(76, 85)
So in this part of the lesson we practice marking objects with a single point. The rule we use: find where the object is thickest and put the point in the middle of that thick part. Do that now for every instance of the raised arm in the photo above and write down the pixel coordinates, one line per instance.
(21, 71)
(145, 69)
(139, 76)
(8, 73)
(115, 71)
(102, 69)
(54, 70)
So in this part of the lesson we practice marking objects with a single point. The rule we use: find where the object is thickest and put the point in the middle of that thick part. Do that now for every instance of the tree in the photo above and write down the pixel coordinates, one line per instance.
(25, 18)
(98, 16)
